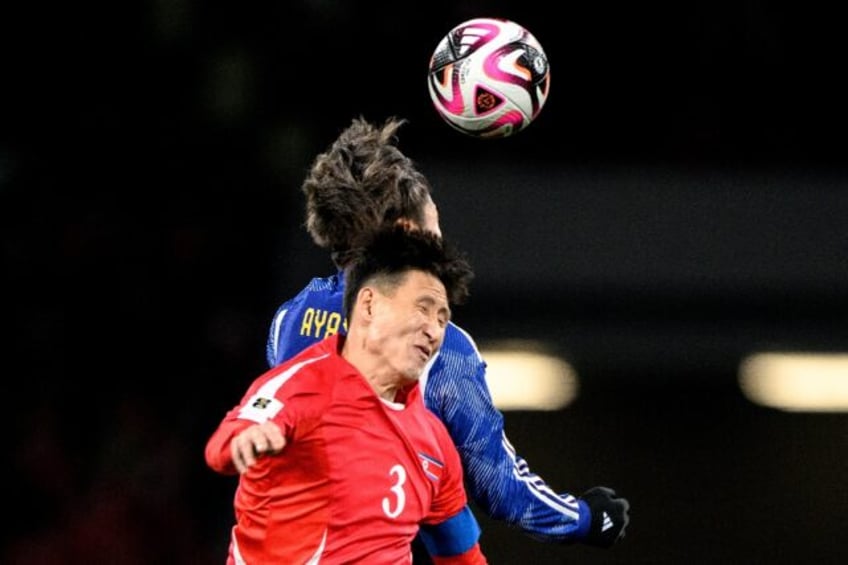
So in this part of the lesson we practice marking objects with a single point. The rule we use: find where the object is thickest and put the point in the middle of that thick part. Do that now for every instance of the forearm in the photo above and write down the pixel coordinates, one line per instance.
(499, 481)
(503, 486)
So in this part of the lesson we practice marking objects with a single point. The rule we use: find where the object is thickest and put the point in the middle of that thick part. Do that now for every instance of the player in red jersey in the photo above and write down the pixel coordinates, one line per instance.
(339, 460)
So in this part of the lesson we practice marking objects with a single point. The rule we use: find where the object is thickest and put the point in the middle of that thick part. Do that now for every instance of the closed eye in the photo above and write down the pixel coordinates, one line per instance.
(430, 309)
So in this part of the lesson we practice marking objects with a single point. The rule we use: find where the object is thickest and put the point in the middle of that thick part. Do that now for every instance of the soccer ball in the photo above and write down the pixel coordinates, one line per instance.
(489, 78)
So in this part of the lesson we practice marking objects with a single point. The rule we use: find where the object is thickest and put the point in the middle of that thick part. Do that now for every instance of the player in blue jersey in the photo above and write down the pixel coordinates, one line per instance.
(363, 181)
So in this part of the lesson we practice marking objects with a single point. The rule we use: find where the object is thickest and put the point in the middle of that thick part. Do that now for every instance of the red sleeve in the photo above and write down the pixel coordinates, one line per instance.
(450, 498)
(264, 401)
(218, 455)
(473, 556)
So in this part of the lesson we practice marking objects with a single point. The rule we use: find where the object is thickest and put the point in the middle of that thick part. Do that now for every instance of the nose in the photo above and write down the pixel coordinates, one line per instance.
(434, 331)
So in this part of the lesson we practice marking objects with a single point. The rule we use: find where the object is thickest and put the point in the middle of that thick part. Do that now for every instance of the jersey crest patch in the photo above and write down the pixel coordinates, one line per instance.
(432, 467)
(260, 408)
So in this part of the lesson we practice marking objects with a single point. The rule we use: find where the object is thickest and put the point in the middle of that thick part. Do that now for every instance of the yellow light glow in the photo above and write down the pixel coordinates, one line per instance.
(523, 377)
(797, 382)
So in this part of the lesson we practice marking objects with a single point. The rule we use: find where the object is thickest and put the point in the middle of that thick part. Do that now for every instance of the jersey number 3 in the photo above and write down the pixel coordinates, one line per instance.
(393, 505)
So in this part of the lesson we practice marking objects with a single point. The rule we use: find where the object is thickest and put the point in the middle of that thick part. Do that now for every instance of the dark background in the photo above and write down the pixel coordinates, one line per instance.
(680, 202)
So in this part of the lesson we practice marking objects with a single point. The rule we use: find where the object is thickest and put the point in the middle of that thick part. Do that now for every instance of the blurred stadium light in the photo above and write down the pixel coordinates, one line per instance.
(796, 382)
(522, 376)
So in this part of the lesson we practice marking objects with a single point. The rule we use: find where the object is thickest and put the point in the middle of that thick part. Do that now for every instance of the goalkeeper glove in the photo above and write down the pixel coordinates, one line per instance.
(609, 516)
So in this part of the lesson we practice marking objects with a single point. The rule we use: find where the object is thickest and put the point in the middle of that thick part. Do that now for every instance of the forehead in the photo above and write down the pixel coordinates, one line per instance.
(419, 284)
(422, 281)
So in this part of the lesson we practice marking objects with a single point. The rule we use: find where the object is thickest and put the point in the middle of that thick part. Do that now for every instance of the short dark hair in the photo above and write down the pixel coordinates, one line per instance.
(394, 251)
(363, 182)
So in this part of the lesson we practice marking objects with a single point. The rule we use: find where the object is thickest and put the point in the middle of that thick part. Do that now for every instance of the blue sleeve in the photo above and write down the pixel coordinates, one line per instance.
(498, 479)
(454, 536)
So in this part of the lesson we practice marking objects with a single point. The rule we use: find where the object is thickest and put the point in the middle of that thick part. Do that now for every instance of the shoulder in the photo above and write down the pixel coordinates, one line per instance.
(456, 376)
(458, 344)
(309, 370)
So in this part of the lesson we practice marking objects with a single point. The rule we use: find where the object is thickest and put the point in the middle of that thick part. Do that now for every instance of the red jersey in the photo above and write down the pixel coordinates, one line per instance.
(356, 477)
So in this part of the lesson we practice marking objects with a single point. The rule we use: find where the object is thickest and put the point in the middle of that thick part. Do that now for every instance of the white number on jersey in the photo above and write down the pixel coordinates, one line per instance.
(397, 491)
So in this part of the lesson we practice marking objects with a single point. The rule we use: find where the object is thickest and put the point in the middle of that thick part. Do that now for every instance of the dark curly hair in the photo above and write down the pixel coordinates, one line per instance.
(362, 183)
(394, 251)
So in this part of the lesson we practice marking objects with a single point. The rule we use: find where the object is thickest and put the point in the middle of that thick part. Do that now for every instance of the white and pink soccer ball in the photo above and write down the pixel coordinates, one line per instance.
(489, 78)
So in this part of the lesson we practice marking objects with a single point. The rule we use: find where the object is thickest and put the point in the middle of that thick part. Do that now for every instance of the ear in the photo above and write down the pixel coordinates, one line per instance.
(365, 302)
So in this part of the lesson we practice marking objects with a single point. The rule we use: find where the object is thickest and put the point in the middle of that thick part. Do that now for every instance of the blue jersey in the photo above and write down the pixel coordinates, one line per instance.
(455, 389)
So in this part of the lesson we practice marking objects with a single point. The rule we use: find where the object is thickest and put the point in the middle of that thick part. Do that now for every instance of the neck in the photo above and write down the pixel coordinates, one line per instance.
(383, 379)
(386, 392)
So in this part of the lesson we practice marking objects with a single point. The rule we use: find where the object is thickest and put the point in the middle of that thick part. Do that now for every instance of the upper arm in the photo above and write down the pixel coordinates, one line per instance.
(278, 395)
(499, 480)
(452, 537)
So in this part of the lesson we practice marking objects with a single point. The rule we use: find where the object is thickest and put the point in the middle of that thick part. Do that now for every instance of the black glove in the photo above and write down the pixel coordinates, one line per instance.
(609, 516)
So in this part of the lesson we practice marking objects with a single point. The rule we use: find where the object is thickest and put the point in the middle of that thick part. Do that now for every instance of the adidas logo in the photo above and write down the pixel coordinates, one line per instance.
(607, 523)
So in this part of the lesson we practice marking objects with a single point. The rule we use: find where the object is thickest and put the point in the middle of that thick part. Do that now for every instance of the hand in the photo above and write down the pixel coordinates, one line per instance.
(255, 441)
(609, 516)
